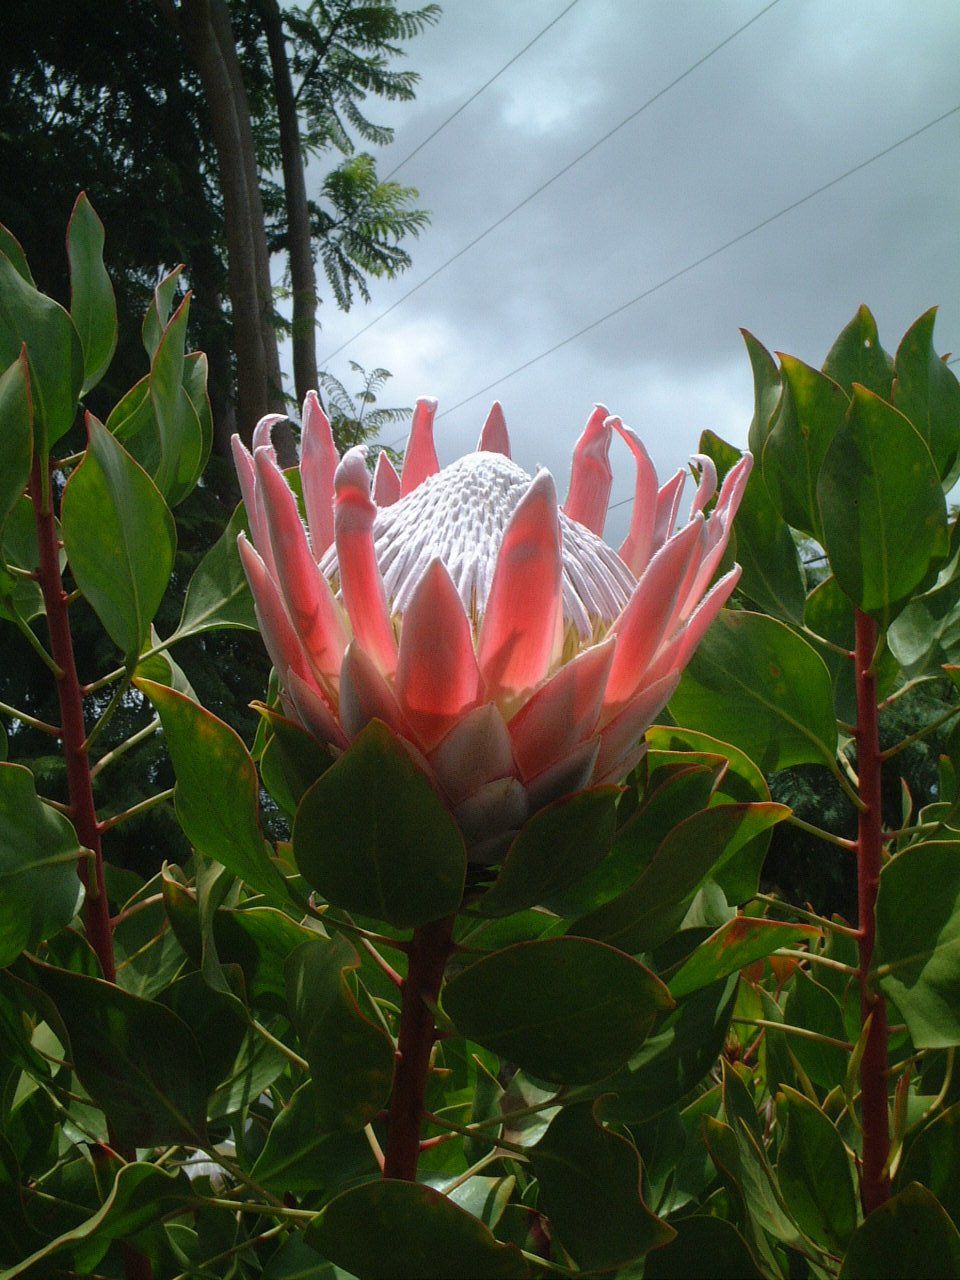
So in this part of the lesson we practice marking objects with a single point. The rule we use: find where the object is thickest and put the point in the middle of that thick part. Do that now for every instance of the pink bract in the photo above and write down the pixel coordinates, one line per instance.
(516, 654)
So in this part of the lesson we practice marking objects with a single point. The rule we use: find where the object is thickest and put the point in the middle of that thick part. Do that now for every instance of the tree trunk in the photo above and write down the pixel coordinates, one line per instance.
(223, 30)
(302, 274)
(255, 345)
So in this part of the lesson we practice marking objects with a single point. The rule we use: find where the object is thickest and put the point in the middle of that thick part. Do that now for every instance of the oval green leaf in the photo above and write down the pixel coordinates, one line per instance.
(810, 411)
(138, 1061)
(93, 307)
(590, 1188)
(758, 685)
(927, 392)
(570, 1010)
(815, 1173)
(884, 515)
(372, 836)
(40, 891)
(920, 948)
(910, 1235)
(217, 792)
(333, 1032)
(53, 350)
(405, 1231)
(16, 434)
(120, 538)
(556, 848)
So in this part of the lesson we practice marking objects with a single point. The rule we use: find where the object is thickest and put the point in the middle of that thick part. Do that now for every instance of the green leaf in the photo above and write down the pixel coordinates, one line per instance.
(736, 944)
(333, 1032)
(926, 635)
(556, 848)
(158, 313)
(93, 307)
(217, 1019)
(161, 668)
(291, 761)
(648, 912)
(40, 891)
(570, 1010)
(884, 515)
(120, 538)
(141, 1194)
(217, 793)
(815, 1174)
(218, 595)
(766, 550)
(138, 1061)
(933, 1159)
(927, 392)
(910, 1235)
(374, 837)
(180, 435)
(672, 792)
(11, 246)
(809, 414)
(405, 1231)
(708, 1248)
(918, 940)
(53, 351)
(590, 1189)
(766, 392)
(132, 413)
(16, 434)
(672, 1063)
(757, 684)
(298, 1156)
(857, 357)
(811, 1006)
(196, 374)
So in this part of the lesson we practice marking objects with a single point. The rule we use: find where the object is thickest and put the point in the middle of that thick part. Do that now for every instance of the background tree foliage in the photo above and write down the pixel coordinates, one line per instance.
(120, 99)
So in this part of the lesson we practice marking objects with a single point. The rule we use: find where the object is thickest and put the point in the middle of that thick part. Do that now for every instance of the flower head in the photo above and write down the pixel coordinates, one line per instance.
(516, 654)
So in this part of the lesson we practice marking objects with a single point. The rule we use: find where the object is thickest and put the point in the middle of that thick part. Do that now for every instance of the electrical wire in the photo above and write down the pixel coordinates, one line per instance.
(707, 257)
(476, 94)
(550, 181)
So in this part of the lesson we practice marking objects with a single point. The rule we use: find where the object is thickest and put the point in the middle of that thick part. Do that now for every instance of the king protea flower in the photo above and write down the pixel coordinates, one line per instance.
(518, 656)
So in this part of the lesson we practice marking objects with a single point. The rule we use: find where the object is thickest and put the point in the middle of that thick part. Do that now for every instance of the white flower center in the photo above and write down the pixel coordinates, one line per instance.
(459, 515)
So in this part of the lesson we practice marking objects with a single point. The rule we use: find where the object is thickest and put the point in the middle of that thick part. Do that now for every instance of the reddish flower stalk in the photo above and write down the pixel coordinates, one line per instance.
(429, 951)
(874, 1180)
(83, 813)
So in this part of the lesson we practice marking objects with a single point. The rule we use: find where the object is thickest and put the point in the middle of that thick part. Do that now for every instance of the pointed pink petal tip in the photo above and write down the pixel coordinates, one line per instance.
(420, 459)
(494, 438)
(438, 681)
(262, 431)
(521, 630)
(591, 476)
(386, 482)
(318, 462)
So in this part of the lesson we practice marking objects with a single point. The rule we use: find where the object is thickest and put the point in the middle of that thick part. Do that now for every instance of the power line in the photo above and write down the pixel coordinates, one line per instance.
(706, 257)
(550, 181)
(623, 501)
(486, 85)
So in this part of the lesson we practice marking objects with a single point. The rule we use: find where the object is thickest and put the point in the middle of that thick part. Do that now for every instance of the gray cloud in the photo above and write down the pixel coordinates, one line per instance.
(809, 90)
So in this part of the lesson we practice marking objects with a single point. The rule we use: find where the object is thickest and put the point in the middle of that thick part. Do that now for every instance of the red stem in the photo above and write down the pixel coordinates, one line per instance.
(430, 949)
(96, 908)
(874, 1181)
(83, 813)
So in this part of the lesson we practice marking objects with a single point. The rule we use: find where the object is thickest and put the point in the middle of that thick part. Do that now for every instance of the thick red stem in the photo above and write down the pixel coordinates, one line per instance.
(83, 813)
(96, 908)
(429, 950)
(874, 1181)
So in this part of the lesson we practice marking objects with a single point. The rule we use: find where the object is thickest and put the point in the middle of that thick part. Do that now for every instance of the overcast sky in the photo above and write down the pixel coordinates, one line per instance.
(809, 90)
